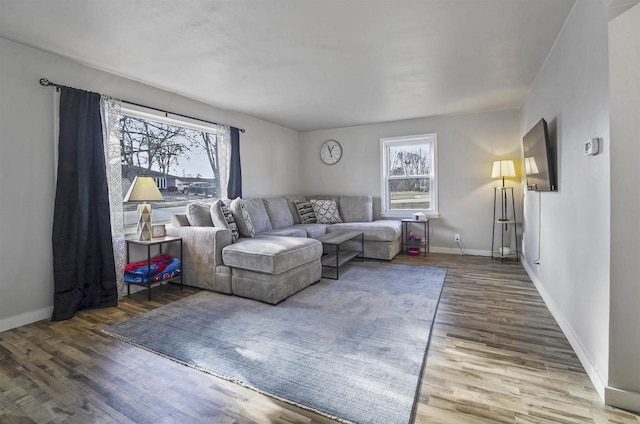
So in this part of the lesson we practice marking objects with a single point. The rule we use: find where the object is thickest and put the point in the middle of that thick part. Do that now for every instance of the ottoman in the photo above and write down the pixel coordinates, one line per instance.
(272, 268)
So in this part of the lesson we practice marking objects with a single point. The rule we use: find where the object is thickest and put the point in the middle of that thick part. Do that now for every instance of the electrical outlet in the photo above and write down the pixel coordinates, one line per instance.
(457, 238)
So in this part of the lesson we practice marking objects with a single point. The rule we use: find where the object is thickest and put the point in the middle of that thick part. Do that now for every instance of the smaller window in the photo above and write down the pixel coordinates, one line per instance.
(409, 175)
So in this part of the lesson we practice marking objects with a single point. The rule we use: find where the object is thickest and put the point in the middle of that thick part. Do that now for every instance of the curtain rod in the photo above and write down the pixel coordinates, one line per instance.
(46, 83)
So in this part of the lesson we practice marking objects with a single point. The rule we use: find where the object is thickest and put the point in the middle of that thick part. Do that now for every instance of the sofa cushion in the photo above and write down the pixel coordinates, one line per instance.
(289, 231)
(271, 254)
(279, 212)
(381, 230)
(179, 220)
(222, 217)
(326, 211)
(305, 212)
(199, 215)
(258, 214)
(312, 230)
(242, 217)
(356, 208)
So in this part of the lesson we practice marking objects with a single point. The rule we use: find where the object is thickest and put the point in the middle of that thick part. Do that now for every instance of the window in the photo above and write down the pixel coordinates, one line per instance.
(182, 157)
(409, 175)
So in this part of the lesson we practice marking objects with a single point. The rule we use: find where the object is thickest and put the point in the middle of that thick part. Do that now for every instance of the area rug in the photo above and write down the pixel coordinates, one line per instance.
(351, 349)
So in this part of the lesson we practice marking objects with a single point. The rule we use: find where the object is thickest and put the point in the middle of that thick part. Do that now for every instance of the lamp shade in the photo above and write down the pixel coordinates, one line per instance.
(503, 168)
(143, 189)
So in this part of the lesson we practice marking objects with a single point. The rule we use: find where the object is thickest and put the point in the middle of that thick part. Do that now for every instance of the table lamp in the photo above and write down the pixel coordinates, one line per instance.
(143, 189)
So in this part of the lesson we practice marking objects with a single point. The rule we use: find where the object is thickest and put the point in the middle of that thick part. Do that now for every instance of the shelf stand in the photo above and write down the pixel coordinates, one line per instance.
(503, 221)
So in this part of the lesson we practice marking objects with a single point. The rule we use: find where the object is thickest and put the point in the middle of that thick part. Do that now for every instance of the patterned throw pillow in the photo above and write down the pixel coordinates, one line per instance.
(326, 211)
(242, 217)
(222, 217)
(305, 210)
(198, 215)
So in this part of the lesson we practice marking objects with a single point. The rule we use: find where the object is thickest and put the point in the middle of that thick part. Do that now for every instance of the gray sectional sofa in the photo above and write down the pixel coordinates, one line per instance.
(283, 256)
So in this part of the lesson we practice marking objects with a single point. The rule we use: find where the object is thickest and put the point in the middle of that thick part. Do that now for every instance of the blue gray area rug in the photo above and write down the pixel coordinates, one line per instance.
(351, 349)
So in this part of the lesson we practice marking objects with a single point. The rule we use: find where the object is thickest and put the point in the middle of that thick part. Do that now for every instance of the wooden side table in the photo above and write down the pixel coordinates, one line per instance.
(160, 241)
(406, 243)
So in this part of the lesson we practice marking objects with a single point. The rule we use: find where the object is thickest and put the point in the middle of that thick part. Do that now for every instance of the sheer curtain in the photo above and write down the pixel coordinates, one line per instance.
(110, 109)
(223, 144)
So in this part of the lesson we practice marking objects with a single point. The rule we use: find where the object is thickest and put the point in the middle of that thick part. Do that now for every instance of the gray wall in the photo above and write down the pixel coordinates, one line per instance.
(27, 181)
(467, 147)
(568, 230)
(624, 337)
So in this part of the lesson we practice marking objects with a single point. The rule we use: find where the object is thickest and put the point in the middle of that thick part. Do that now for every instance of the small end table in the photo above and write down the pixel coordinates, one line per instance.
(406, 242)
(155, 242)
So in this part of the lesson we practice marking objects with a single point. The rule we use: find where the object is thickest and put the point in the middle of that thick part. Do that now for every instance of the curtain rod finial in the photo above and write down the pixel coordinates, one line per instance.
(44, 82)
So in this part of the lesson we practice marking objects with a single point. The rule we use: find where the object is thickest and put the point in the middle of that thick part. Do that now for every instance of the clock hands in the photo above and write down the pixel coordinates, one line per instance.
(327, 152)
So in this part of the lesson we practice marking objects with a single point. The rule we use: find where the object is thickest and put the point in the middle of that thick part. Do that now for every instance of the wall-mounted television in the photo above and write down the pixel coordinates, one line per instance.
(539, 159)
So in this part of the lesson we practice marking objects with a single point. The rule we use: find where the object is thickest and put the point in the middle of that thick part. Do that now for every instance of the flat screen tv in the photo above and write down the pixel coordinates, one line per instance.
(539, 159)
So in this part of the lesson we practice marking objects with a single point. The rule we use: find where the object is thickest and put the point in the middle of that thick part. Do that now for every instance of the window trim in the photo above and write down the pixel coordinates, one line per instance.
(152, 115)
(386, 211)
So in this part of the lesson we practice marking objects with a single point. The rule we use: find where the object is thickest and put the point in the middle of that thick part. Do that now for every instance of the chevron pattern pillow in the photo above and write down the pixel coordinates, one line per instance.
(326, 211)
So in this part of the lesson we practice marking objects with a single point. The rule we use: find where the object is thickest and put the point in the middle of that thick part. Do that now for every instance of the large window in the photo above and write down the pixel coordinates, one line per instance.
(181, 156)
(409, 177)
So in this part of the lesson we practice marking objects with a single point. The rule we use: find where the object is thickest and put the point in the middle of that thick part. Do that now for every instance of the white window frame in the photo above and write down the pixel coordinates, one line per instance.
(385, 144)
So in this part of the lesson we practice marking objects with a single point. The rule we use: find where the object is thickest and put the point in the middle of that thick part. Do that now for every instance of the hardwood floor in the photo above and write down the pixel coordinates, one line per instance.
(496, 356)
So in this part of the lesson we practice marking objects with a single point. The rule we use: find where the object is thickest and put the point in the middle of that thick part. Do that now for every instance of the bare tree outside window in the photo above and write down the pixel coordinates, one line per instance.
(183, 161)
(409, 170)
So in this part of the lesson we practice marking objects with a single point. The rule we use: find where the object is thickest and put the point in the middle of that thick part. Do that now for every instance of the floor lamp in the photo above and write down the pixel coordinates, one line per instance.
(502, 169)
(143, 189)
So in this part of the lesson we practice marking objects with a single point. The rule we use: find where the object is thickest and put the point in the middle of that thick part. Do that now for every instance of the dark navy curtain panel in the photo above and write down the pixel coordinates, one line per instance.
(83, 262)
(234, 189)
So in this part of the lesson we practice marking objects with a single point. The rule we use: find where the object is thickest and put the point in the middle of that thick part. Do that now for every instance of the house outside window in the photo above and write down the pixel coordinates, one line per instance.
(181, 156)
(409, 175)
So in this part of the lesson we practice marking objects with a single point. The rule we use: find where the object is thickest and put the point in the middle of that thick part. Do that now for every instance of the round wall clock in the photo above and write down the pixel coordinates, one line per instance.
(330, 152)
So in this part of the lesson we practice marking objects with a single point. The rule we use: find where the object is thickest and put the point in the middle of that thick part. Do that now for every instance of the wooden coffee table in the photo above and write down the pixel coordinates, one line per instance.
(335, 255)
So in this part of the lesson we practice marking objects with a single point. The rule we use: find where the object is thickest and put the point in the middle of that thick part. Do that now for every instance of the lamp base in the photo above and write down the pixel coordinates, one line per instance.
(143, 229)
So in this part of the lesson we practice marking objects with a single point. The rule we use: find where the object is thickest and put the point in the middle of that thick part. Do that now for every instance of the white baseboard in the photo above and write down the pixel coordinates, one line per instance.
(571, 336)
(623, 399)
(456, 251)
(25, 318)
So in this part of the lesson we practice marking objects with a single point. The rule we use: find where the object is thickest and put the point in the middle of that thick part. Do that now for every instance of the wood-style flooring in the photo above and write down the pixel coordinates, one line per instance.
(496, 356)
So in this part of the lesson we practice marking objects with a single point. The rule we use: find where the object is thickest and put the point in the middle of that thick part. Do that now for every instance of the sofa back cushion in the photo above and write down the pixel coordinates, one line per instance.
(179, 220)
(291, 200)
(258, 214)
(199, 215)
(356, 208)
(279, 212)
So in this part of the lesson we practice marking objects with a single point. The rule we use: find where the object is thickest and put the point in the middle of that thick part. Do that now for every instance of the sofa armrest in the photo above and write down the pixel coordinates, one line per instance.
(202, 256)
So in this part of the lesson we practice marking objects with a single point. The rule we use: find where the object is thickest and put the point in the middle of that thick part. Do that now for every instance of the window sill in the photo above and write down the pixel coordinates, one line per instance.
(409, 214)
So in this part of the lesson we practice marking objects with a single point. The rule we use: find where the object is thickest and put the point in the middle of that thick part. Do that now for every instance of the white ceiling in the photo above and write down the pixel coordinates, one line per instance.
(307, 64)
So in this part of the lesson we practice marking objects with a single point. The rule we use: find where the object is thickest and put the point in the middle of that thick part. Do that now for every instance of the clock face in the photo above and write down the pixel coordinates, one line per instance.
(330, 152)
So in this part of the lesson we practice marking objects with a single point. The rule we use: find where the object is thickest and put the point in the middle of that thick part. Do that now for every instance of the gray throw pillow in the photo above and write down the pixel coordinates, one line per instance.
(222, 217)
(199, 215)
(305, 210)
(326, 211)
(242, 217)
